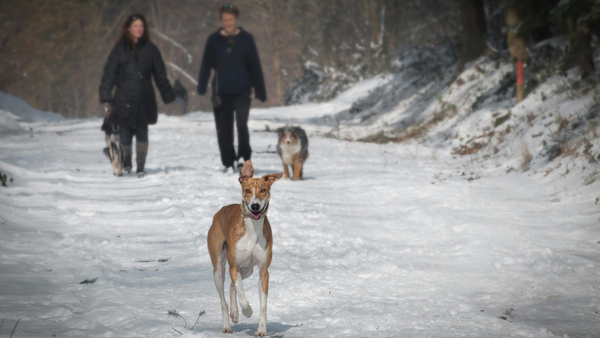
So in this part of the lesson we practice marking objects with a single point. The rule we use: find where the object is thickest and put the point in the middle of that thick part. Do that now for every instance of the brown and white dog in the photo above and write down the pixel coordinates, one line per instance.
(241, 236)
(292, 148)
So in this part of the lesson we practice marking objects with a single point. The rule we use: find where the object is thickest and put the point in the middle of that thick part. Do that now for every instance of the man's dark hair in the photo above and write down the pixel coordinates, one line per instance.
(230, 9)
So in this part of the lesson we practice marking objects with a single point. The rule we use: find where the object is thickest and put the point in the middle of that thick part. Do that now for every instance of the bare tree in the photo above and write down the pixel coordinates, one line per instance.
(473, 36)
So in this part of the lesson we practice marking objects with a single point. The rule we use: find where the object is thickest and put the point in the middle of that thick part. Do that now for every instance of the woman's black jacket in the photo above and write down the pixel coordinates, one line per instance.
(242, 69)
(131, 73)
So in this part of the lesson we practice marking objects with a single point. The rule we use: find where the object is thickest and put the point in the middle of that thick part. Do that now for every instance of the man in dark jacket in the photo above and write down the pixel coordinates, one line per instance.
(231, 52)
(130, 67)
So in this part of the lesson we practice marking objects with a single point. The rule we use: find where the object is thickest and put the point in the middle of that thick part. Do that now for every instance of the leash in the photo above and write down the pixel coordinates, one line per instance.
(109, 115)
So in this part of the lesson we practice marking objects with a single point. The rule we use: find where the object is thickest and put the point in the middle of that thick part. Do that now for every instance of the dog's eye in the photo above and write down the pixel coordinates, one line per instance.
(263, 190)
(248, 191)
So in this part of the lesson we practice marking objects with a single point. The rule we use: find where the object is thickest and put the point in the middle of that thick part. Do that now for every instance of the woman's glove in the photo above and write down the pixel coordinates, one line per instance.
(108, 109)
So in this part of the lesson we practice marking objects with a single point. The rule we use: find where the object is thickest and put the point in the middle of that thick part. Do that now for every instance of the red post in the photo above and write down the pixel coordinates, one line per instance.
(520, 81)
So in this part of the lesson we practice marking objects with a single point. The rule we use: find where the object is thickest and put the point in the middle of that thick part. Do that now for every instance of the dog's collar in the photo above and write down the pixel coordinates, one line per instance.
(247, 214)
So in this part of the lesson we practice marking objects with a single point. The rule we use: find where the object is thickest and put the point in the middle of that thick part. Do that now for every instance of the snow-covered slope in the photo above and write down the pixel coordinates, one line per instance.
(9, 124)
(24, 111)
(378, 241)
(474, 114)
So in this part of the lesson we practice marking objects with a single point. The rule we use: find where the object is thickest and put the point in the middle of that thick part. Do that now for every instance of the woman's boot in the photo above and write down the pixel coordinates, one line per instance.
(127, 159)
(141, 149)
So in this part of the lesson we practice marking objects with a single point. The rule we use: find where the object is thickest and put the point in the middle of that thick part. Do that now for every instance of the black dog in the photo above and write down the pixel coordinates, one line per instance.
(114, 151)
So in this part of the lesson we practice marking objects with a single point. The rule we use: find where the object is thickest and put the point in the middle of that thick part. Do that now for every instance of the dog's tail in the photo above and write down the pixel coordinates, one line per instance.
(107, 153)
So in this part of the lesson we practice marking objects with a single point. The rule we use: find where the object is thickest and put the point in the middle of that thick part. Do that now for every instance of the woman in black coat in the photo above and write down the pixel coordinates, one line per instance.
(232, 53)
(131, 64)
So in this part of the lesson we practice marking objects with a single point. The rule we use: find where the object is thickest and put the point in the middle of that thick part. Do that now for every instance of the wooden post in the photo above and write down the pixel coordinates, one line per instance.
(517, 47)
(520, 81)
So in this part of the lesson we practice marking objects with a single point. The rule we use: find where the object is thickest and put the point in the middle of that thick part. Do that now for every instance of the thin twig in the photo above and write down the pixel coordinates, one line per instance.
(2, 322)
(197, 320)
(181, 333)
(13, 331)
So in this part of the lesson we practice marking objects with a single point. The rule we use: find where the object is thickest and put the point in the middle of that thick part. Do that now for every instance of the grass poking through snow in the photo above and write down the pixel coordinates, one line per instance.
(89, 281)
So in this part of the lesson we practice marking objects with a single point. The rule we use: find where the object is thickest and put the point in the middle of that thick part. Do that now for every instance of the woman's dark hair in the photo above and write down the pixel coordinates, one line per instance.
(125, 30)
(230, 9)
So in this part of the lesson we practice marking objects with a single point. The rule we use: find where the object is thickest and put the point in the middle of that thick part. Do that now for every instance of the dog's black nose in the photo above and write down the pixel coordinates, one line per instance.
(288, 142)
(255, 207)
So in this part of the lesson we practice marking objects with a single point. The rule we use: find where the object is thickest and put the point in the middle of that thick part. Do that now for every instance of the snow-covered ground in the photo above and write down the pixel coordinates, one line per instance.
(378, 241)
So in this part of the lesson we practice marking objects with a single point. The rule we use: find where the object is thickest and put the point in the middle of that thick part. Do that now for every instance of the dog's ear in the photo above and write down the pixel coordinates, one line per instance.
(247, 172)
(280, 131)
(270, 179)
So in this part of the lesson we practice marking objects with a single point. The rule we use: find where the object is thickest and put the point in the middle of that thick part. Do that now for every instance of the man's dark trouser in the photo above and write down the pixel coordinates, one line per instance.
(224, 117)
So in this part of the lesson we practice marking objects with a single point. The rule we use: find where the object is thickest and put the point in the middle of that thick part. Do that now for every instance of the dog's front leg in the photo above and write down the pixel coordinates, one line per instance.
(263, 290)
(286, 171)
(296, 167)
(234, 314)
(236, 279)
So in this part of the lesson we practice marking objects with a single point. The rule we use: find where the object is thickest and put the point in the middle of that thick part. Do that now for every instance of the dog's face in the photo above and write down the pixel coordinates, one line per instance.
(256, 192)
(287, 137)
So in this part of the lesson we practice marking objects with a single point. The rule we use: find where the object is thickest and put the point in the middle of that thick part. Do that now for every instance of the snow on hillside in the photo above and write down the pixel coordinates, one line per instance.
(475, 114)
(14, 112)
(24, 111)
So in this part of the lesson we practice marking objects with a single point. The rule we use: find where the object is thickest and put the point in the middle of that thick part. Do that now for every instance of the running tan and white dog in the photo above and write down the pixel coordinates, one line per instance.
(241, 236)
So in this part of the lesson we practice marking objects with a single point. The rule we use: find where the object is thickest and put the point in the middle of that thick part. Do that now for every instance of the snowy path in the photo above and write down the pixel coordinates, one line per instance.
(366, 246)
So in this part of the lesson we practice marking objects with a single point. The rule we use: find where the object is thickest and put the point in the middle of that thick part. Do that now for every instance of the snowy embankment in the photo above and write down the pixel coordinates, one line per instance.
(378, 241)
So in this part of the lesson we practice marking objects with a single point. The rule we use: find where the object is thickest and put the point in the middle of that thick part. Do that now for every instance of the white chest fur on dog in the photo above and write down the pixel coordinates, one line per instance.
(251, 248)
(288, 151)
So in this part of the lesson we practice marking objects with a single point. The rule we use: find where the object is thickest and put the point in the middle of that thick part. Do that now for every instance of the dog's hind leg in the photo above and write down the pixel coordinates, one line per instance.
(220, 284)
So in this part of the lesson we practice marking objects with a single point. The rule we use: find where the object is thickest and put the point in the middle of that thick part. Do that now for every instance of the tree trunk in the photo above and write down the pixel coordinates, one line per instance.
(276, 54)
(585, 54)
(473, 36)
(367, 38)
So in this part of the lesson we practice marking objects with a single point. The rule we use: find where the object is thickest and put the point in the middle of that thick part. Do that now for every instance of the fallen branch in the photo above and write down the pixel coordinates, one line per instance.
(175, 43)
(181, 333)
(188, 76)
(13, 331)
(197, 320)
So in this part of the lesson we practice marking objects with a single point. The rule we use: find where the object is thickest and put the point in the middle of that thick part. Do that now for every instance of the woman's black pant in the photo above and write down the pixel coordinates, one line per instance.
(140, 131)
(233, 108)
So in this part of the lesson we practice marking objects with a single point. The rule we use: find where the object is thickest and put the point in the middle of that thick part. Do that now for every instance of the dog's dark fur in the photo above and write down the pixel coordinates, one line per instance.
(292, 148)
(113, 151)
